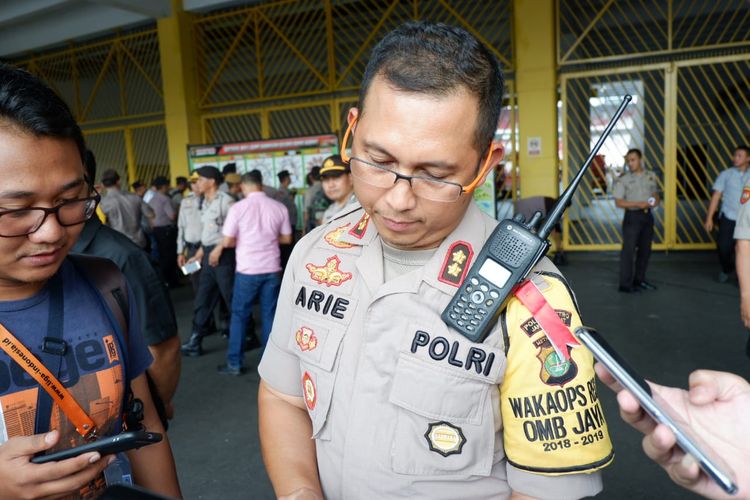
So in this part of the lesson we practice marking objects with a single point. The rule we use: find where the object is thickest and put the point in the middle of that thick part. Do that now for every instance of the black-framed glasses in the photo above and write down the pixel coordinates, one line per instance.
(24, 221)
(423, 187)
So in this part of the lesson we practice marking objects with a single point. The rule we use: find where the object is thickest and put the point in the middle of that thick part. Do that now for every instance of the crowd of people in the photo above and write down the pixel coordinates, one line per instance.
(355, 353)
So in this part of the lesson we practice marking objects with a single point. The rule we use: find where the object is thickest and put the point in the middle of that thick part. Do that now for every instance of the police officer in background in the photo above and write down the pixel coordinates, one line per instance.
(336, 181)
(189, 227)
(217, 262)
(397, 403)
(636, 191)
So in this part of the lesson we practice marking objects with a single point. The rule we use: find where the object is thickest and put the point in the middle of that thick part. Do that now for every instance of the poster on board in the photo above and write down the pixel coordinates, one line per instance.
(295, 154)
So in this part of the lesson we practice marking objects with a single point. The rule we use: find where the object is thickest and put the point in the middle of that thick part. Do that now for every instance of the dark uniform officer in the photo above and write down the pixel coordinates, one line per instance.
(636, 192)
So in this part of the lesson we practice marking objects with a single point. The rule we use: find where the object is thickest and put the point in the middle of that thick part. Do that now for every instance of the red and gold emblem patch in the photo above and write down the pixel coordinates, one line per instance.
(328, 274)
(309, 390)
(554, 370)
(359, 230)
(745, 195)
(334, 237)
(306, 339)
(456, 263)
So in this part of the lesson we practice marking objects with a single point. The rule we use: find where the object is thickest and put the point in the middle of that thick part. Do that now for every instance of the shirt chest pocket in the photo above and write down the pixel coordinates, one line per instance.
(317, 346)
(445, 422)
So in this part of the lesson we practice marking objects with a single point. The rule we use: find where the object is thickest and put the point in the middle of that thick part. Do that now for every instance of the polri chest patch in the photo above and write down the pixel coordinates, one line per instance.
(445, 439)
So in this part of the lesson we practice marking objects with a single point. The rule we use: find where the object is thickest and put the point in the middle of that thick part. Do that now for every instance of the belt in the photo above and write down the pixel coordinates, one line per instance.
(192, 245)
(639, 210)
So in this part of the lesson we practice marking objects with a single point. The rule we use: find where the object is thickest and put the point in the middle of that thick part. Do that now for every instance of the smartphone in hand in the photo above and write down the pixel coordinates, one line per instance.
(191, 267)
(105, 446)
(658, 408)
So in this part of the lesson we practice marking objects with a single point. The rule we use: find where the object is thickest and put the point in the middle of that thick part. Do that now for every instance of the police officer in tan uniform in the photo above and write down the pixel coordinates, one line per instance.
(742, 242)
(637, 192)
(396, 403)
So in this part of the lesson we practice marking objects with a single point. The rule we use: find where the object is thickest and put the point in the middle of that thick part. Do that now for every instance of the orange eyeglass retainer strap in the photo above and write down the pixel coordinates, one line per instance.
(468, 189)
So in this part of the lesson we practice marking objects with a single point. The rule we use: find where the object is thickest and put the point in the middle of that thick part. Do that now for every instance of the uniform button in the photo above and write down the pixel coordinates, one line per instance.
(484, 288)
(453, 316)
(474, 281)
(494, 294)
(477, 297)
(469, 328)
(489, 303)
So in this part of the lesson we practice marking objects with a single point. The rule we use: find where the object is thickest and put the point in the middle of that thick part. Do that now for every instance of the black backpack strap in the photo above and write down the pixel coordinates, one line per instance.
(106, 277)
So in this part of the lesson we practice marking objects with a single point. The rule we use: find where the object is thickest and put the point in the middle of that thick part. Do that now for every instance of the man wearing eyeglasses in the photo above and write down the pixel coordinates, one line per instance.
(48, 308)
(397, 404)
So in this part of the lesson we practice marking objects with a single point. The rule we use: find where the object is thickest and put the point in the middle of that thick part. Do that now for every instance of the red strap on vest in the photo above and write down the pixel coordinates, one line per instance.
(558, 334)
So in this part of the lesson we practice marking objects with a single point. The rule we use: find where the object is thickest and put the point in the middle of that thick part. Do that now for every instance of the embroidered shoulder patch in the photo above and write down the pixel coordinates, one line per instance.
(456, 263)
(309, 390)
(333, 238)
(445, 439)
(359, 230)
(329, 273)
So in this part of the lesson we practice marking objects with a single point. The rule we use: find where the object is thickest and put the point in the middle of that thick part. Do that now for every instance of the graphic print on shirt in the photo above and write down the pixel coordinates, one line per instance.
(91, 370)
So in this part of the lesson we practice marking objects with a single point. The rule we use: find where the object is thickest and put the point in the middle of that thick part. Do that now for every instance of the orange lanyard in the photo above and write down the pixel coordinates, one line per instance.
(47, 381)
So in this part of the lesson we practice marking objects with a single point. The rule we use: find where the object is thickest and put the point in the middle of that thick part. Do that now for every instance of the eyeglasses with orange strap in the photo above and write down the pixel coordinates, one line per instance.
(467, 189)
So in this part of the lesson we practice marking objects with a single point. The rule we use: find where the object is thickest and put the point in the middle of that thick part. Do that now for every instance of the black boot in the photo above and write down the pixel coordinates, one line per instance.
(193, 346)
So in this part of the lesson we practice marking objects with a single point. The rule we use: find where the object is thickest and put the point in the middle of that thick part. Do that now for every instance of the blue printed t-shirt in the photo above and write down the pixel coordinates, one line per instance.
(92, 369)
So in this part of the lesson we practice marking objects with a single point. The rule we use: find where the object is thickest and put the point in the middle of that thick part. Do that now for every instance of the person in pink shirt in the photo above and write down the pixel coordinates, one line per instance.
(255, 226)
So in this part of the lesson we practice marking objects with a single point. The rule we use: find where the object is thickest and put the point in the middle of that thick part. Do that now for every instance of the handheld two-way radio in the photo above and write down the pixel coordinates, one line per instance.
(507, 258)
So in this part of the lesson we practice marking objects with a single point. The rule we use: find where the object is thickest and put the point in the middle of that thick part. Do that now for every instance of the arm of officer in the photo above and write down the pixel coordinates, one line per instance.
(153, 465)
(19, 478)
(712, 207)
(743, 276)
(285, 231)
(288, 450)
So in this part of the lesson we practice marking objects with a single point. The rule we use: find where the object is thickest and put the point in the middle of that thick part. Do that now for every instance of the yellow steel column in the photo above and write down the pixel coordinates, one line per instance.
(181, 113)
(670, 160)
(536, 91)
(130, 157)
